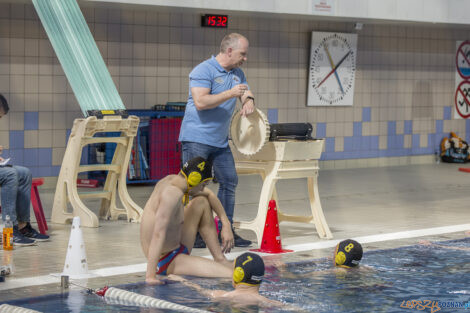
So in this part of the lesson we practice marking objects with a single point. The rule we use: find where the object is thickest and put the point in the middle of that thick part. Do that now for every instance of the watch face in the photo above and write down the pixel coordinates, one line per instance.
(332, 69)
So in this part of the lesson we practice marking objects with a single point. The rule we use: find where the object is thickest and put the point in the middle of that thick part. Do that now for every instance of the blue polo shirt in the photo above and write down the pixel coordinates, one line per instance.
(211, 126)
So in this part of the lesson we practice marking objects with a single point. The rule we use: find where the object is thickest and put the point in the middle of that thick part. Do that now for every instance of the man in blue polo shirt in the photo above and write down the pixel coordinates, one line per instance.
(214, 86)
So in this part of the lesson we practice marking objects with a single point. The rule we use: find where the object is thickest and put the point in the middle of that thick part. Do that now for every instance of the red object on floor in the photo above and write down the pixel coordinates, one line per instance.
(91, 183)
(464, 169)
(271, 242)
(37, 205)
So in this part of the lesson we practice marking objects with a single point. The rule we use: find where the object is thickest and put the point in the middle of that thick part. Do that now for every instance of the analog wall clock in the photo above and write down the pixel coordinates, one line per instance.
(332, 69)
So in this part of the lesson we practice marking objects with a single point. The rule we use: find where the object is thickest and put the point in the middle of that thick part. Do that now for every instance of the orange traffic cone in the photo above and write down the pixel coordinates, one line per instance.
(271, 242)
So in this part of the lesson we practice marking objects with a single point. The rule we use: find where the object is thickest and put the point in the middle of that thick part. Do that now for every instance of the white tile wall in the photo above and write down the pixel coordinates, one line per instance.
(404, 72)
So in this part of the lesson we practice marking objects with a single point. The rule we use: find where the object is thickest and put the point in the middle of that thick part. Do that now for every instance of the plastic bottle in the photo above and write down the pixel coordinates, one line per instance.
(8, 234)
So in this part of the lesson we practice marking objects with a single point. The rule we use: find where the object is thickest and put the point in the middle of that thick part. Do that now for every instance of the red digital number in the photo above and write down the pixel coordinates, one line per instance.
(211, 20)
(215, 20)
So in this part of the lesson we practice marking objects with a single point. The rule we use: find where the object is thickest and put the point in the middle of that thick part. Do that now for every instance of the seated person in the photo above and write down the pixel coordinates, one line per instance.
(248, 272)
(15, 182)
(170, 222)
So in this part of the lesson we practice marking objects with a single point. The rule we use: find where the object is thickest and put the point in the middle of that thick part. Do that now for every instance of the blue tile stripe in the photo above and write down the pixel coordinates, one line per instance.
(321, 130)
(330, 144)
(359, 146)
(273, 115)
(439, 126)
(408, 127)
(31, 120)
(16, 139)
(366, 114)
(38, 160)
(357, 129)
(392, 128)
(448, 112)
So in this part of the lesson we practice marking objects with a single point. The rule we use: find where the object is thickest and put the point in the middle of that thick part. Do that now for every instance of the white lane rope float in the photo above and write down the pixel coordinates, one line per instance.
(120, 296)
(6, 308)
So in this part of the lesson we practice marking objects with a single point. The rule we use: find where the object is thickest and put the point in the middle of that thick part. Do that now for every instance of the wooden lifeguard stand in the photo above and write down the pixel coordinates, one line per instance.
(274, 160)
(82, 134)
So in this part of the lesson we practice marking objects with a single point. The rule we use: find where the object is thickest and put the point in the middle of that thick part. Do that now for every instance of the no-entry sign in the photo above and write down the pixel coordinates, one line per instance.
(462, 99)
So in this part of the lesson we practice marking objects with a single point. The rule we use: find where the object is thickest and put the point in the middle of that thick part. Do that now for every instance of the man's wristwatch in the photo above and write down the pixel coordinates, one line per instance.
(249, 97)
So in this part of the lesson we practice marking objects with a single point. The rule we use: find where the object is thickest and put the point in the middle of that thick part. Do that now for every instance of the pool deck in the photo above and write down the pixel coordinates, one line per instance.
(383, 207)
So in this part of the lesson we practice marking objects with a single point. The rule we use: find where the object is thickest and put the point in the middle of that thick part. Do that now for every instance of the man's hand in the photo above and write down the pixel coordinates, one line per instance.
(247, 108)
(154, 281)
(226, 235)
(238, 90)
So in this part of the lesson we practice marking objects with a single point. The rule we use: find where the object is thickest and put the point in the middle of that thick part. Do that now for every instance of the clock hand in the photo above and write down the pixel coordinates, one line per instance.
(332, 66)
(334, 69)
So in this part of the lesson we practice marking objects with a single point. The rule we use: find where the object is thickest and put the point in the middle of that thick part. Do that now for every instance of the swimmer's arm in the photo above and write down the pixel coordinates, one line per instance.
(265, 302)
(429, 243)
(162, 219)
(226, 233)
(204, 100)
(205, 292)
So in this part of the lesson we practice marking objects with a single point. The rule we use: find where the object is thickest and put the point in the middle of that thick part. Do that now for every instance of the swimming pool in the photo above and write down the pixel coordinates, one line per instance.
(406, 279)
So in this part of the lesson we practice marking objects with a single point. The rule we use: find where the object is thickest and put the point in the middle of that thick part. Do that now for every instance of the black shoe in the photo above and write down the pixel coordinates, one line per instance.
(29, 232)
(199, 242)
(240, 242)
(20, 240)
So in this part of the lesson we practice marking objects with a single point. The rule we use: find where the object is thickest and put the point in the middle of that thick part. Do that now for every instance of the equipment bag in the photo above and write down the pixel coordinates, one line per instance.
(454, 149)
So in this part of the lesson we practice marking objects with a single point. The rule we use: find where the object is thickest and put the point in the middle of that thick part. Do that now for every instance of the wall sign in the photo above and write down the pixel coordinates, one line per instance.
(332, 69)
(462, 80)
(323, 7)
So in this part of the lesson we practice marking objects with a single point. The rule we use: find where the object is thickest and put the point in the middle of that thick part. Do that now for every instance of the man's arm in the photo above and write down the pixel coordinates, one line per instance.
(204, 100)
(226, 233)
(248, 104)
(162, 218)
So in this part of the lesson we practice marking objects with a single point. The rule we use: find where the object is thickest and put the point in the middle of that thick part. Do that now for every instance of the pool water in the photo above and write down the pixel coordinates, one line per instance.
(392, 280)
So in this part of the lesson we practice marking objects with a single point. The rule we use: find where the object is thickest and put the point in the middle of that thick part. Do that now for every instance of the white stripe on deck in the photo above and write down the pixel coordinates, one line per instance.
(139, 268)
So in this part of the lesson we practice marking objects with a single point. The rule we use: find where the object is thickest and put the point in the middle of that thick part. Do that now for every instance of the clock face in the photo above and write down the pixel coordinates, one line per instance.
(332, 69)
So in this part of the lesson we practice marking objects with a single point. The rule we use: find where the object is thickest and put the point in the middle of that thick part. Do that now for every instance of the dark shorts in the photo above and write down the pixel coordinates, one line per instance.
(166, 260)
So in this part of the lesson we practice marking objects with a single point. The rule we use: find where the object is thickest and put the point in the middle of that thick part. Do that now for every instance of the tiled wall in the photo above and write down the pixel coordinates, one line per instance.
(402, 103)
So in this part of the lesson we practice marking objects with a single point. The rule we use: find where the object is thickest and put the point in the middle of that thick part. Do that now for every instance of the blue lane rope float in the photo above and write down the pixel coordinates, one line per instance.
(119, 296)
(79, 56)
(6, 308)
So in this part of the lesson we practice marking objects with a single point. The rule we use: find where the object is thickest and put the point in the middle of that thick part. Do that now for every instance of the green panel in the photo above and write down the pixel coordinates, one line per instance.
(77, 52)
